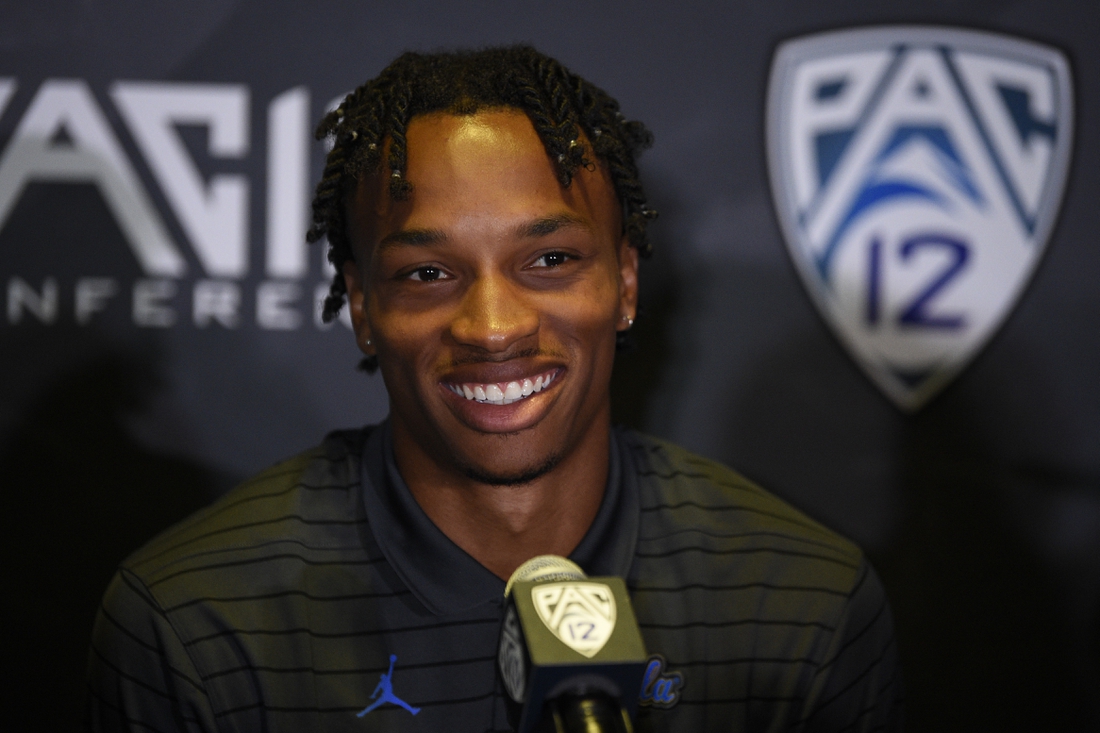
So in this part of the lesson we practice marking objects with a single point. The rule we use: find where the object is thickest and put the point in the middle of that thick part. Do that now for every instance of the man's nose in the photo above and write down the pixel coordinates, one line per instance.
(495, 314)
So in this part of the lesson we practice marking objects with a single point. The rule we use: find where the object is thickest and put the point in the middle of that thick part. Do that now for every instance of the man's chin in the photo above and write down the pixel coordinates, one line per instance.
(514, 477)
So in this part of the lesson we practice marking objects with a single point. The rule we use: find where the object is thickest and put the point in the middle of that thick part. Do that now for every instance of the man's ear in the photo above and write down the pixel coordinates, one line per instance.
(628, 284)
(357, 305)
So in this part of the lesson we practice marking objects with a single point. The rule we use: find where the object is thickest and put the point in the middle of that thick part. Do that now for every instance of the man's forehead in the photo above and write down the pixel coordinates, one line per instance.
(539, 227)
(493, 157)
(427, 133)
(476, 122)
(486, 136)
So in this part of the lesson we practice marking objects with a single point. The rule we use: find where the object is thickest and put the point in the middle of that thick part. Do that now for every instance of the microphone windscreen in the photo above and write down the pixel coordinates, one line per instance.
(545, 568)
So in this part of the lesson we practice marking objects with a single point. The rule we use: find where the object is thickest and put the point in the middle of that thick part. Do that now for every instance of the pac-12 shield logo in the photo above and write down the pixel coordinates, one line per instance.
(580, 614)
(917, 173)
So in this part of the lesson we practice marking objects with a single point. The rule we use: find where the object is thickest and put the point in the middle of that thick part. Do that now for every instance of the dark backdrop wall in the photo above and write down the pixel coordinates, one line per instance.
(159, 343)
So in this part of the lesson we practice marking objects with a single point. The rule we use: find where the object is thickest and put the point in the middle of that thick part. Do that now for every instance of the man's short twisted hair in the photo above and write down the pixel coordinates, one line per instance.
(560, 105)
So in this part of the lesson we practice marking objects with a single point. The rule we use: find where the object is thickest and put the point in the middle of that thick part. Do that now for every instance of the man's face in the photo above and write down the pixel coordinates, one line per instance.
(492, 296)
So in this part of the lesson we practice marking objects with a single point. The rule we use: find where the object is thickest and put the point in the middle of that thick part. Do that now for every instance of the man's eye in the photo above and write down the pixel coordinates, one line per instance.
(552, 259)
(426, 274)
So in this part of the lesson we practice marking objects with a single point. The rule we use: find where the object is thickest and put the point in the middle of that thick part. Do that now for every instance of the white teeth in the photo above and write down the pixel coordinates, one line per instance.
(512, 391)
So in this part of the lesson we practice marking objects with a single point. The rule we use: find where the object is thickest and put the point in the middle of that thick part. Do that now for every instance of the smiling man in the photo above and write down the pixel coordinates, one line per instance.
(484, 213)
(492, 296)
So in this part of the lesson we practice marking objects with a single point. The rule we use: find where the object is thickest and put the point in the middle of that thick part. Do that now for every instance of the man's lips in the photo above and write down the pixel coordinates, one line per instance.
(503, 393)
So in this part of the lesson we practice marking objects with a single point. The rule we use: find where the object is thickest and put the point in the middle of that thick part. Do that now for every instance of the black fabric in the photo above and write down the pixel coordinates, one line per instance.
(454, 581)
(280, 606)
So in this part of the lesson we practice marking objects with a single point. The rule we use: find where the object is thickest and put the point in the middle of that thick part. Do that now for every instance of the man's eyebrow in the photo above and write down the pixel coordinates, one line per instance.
(413, 237)
(550, 224)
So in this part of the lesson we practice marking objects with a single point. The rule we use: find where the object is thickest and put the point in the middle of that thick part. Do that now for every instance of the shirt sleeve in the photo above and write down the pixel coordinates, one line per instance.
(858, 687)
(140, 677)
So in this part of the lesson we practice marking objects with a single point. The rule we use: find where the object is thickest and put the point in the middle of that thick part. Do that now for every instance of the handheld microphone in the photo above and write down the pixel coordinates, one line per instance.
(571, 656)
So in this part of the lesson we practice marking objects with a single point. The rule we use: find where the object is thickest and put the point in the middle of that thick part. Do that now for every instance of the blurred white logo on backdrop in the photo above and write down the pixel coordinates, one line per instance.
(917, 173)
(64, 136)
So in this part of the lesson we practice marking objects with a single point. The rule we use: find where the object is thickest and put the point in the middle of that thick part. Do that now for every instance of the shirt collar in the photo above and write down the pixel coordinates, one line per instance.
(441, 574)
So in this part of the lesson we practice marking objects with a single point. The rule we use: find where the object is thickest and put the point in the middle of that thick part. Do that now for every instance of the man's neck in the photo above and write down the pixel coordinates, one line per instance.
(503, 526)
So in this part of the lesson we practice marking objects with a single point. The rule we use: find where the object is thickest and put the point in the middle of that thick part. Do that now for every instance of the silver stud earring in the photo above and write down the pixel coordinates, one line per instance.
(369, 342)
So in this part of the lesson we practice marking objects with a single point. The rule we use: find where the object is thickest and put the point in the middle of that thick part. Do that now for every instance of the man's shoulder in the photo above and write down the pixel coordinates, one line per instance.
(727, 575)
(686, 492)
(306, 494)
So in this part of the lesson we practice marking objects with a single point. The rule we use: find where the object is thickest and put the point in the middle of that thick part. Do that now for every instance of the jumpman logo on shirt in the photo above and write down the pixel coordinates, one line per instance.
(385, 689)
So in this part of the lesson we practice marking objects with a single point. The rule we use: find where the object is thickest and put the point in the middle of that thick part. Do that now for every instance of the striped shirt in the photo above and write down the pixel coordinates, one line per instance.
(319, 596)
